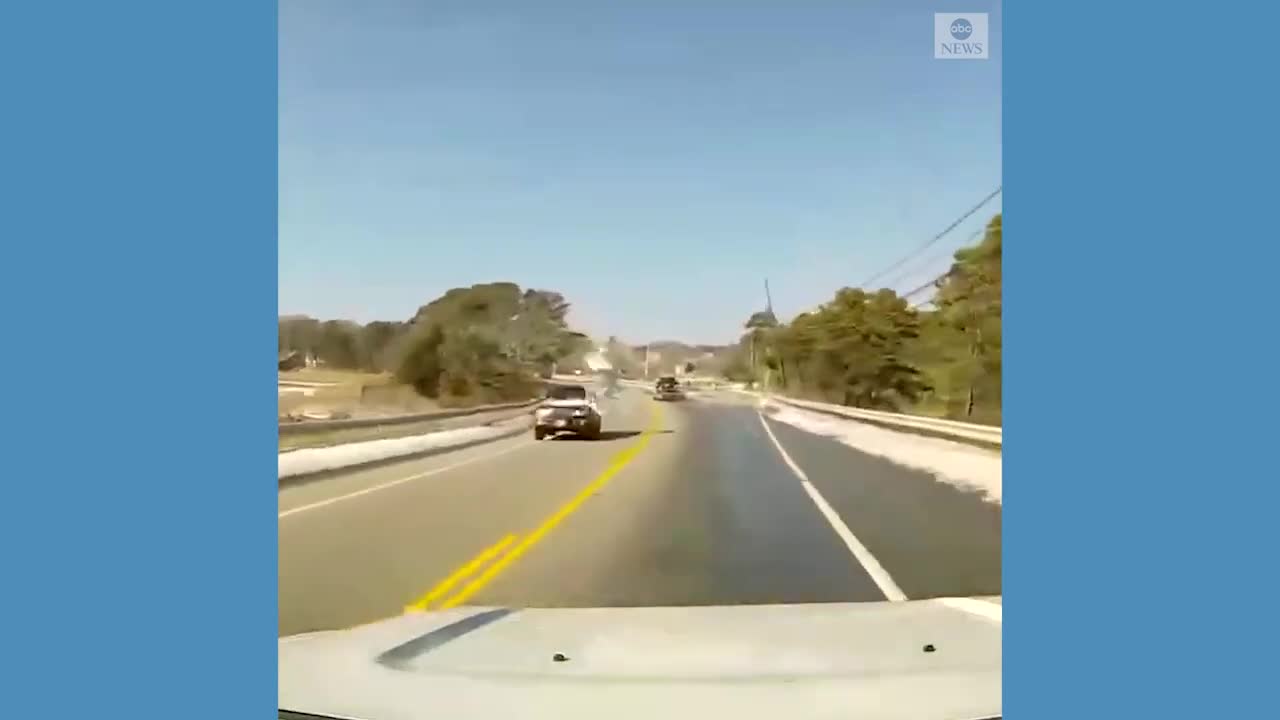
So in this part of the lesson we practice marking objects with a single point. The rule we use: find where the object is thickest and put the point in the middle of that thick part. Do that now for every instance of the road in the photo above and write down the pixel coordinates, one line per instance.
(695, 503)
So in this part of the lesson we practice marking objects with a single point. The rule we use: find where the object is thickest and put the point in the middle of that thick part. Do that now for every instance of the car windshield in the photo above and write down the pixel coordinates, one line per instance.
(566, 392)
(787, 427)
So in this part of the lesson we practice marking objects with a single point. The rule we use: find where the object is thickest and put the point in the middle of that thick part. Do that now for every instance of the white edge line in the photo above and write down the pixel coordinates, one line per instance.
(981, 608)
(401, 481)
(860, 552)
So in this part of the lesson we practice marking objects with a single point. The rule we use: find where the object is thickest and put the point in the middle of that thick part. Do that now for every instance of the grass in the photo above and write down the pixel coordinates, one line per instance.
(934, 405)
(337, 397)
(345, 394)
(336, 376)
(360, 394)
(943, 409)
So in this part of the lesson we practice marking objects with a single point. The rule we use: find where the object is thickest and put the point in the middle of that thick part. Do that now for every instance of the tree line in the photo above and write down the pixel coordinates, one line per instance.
(339, 343)
(875, 350)
(485, 343)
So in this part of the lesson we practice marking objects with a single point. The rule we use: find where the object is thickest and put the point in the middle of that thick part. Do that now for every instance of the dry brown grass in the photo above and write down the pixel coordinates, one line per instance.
(344, 395)
(335, 376)
(356, 394)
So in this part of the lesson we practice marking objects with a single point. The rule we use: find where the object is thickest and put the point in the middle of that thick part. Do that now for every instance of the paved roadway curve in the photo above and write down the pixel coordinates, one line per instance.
(680, 504)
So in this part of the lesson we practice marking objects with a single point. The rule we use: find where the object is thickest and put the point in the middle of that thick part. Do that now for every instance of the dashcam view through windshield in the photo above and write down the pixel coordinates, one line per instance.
(761, 243)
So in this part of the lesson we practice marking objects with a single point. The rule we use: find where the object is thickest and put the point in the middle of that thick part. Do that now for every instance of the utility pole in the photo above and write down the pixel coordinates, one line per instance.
(768, 306)
(782, 368)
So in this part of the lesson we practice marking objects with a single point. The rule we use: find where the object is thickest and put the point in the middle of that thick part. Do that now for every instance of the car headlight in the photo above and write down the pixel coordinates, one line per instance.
(542, 412)
(580, 412)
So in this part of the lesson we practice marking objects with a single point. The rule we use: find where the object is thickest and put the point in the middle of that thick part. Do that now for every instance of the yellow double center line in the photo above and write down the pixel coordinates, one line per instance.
(460, 574)
(620, 461)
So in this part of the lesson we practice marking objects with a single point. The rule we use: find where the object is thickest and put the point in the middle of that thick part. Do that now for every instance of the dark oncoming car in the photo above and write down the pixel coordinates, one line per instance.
(668, 388)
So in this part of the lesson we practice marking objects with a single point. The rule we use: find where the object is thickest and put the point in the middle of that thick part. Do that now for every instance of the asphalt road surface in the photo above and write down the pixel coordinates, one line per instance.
(687, 503)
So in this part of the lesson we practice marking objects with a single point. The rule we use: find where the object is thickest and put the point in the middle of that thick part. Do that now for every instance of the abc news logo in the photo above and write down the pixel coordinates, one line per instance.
(960, 36)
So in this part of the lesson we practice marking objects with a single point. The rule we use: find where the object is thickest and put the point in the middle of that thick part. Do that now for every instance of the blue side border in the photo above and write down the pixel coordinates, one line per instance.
(137, 277)
(1140, 204)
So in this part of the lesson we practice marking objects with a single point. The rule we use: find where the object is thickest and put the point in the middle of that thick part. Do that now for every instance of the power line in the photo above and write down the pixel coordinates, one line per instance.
(932, 258)
(935, 280)
(933, 240)
(922, 303)
(926, 286)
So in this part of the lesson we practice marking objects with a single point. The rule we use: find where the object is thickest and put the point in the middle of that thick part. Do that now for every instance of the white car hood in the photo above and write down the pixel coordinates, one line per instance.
(830, 660)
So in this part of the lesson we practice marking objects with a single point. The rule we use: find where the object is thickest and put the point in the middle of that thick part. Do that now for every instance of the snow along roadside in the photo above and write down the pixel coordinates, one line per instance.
(305, 461)
(964, 466)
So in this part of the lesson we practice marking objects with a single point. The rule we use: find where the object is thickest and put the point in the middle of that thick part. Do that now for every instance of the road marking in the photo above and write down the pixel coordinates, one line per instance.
(458, 575)
(981, 608)
(860, 552)
(620, 461)
(401, 481)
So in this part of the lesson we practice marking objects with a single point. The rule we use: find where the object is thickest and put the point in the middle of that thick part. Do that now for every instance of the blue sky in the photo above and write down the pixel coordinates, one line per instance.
(652, 161)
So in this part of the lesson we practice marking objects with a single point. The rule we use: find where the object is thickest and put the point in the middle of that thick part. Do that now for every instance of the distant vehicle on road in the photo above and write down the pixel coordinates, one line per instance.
(567, 409)
(668, 388)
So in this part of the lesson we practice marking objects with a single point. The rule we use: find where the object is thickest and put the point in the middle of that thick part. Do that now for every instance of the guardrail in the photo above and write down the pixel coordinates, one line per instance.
(950, 429)
(954, 429)
(310, 461)
(303, 427)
